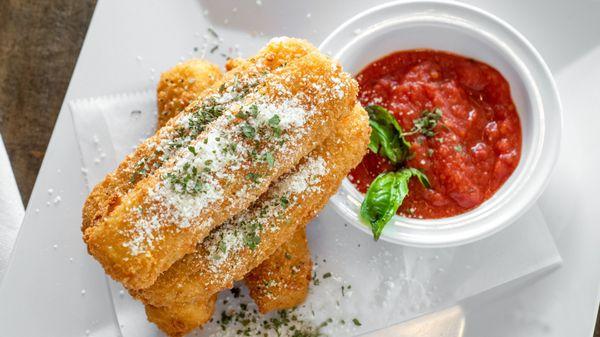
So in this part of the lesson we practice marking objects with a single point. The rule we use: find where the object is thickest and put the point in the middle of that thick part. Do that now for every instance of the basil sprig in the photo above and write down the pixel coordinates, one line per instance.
(387, 136)
(387, 192)
(385, 195)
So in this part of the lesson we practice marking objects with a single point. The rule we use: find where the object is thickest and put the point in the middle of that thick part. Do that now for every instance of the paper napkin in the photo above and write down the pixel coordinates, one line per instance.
(359, 285)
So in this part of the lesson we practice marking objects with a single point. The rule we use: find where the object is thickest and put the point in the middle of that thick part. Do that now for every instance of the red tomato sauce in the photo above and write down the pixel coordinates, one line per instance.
(477, 142)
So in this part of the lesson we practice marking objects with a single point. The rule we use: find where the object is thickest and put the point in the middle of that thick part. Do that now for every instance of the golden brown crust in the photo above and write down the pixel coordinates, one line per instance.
(197, 275)
(108, 193)
(233, 63)
(312, 80)
(182, 84)
(178, 321)
(282, 280)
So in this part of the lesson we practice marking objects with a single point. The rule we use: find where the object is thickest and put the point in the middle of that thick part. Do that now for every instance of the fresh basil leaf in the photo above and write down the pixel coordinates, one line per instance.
(419, 175)
(387, 135)
(385, 195)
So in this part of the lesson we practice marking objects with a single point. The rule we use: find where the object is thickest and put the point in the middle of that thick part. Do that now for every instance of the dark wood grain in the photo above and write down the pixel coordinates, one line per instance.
(39, 44)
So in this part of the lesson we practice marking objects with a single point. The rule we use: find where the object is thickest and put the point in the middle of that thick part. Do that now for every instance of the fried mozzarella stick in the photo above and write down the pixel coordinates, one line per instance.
(150, 155)
(182, 84)
(229, 165)
(281, 281)
(182, 319)
(245, 241)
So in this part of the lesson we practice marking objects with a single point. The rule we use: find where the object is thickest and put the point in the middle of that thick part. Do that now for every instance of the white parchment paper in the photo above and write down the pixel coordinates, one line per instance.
(383, 284)
(11, 210)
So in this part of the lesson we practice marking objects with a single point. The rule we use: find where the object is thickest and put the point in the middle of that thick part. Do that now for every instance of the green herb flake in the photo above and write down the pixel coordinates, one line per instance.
(253, 110)
(284, 202)
(270, 159)
(316, 281)
(426, 124)
(253, 177)
(327, 275)
(212, 32)
(222, 247)
(248, 131)
(356, 322)
(252, 240)
(192, 150)
(274, 121)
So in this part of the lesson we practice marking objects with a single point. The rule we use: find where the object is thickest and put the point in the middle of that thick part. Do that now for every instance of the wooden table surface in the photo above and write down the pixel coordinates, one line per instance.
(39, 45)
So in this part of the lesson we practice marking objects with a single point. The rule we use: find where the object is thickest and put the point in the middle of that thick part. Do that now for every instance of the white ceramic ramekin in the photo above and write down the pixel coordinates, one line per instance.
(471, 32)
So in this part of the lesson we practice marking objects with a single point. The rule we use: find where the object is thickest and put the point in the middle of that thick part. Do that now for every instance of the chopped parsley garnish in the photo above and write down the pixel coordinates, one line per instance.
(252, 241)
(212, 32)
(270, 159)
(186, 180)
(284, 201)
(253, 110)
(140, 170)
(251, 237)
(356, 322)
(274, 124)
(222, 247)
(202, 116)
(192, 150)
(248, 131)
(327, 275)
(253, 177)
(426, 124)
(274, 121)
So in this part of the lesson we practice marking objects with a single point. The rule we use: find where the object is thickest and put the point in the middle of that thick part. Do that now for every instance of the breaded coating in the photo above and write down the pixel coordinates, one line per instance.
(224, 166)
(245, 241)
(182, 84)
(233, 63)
(180, 320)
(143, 161)
(282, 280)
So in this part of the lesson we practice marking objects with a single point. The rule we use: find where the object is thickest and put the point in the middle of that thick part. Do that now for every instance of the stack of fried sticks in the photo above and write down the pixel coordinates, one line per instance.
(223, 191)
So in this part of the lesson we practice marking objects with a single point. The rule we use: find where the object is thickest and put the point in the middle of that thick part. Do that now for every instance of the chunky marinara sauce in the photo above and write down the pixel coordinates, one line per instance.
(476, 144)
